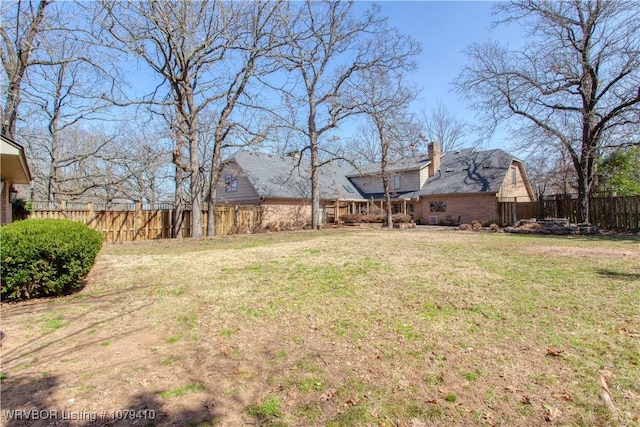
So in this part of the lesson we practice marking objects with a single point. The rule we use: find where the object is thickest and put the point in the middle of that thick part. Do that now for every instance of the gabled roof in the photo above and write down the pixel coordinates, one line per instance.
(274, 176)
(469, 171)
(403, 165)
(14, 162)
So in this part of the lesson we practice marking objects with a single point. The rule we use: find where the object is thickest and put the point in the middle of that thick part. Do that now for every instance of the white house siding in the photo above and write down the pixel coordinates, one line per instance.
(422, 177)
(409, 181)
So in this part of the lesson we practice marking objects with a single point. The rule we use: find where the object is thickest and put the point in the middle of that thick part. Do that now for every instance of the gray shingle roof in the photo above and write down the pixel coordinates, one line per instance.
(402, 165)
(469, 171)
(461, 172)
(281, 177)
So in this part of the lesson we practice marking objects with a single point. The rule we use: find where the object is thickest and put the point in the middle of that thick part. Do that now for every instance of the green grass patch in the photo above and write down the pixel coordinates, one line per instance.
(173, 338)
(266, 410)
(53, 323)
(183, 391)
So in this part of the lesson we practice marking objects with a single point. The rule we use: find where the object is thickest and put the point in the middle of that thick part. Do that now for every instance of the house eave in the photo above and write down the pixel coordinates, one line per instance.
(472, 193)
(15, 167)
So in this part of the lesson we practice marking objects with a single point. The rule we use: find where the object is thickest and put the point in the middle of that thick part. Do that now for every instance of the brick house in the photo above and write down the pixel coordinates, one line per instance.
(281, 187)
(450, 188)
(14, 170)
(468, 184)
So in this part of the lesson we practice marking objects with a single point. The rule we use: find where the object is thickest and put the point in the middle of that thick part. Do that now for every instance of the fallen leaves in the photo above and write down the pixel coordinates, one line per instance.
(605, 393)
(551, 413)
(351, 401)
(329, 395)
(554, 353)
(563, 395)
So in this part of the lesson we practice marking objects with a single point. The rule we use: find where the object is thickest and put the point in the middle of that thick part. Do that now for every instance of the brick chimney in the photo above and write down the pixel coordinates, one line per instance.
(434, 152)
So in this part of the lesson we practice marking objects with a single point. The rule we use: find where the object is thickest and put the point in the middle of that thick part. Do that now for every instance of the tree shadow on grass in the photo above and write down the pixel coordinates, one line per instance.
(618, 274)
(27, 402)
(608, 237)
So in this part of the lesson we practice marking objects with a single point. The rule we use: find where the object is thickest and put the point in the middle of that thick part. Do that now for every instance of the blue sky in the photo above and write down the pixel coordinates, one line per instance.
(445, 29)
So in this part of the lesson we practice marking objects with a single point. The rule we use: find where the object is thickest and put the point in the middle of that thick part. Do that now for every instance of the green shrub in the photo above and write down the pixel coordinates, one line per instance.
(44, 257)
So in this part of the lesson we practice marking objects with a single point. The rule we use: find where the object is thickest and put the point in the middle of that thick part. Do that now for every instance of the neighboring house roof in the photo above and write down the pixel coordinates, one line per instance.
(469, 171)
(402, 165)
(14, 162)
(274, 176)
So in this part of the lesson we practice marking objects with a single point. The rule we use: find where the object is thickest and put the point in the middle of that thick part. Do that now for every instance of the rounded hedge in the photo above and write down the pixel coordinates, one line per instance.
(45, 257)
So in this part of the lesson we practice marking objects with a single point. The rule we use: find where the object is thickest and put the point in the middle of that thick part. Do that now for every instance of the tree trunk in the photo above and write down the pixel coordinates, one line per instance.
(315, 162)
(176, 229)
(583, 201)
(211, 213)
(196, 199)
(15, 74)
(315, 187)
(213, 184)
(387, 198)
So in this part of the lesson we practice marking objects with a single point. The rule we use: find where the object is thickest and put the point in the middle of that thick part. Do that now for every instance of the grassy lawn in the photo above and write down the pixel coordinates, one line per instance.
(340, 328)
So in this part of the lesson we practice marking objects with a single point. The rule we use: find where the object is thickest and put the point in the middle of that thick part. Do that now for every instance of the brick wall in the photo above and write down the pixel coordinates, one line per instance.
(286, 212)
(481, 207)
(5, 205)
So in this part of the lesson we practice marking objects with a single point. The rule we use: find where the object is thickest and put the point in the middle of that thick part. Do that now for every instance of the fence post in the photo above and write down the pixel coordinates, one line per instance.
(137, 220)
(91, 214)
(541, 207)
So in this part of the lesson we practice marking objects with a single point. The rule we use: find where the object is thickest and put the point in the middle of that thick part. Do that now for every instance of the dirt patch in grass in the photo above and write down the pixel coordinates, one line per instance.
(340, 327)
(596, 252)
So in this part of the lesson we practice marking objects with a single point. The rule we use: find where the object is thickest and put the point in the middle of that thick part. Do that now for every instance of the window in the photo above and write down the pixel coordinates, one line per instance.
(230, 183)
(514, 176)
(396, 182)
(438, 206)
(349, 189)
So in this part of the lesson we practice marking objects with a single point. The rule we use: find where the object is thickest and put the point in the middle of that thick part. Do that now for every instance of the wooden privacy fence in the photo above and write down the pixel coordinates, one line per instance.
(613, 213)
(133, 221)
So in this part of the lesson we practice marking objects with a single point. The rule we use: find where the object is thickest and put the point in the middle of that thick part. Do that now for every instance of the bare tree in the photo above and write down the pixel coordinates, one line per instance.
(257, 34)
(205, 54)
(550, 171)
(327, 47)
(385, 100)
(61, 95)
(145, 164)
(440, 125)
(577, 79)
(21, 28)
(181, 42)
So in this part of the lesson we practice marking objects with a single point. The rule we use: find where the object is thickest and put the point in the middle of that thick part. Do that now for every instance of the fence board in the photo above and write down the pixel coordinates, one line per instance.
(609, 212)
(132, 222)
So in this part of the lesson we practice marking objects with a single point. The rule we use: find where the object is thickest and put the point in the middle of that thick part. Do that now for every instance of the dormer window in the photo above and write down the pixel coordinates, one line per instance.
(514, 176)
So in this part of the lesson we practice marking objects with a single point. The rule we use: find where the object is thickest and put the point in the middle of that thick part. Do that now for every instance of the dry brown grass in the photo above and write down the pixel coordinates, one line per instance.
(358, 327)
